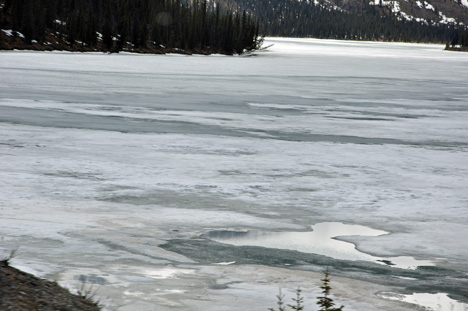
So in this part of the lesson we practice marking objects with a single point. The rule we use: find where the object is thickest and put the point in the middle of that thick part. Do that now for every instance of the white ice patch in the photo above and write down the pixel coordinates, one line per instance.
(225, 263)
(166, 273)
(433, 302)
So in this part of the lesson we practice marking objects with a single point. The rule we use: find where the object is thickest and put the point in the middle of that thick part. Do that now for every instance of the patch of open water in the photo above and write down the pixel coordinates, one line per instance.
(322, 241)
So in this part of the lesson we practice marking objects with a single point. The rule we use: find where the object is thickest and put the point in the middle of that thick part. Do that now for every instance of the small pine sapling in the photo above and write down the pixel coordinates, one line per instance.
(279, 302)
(325, 302)
(299, 301)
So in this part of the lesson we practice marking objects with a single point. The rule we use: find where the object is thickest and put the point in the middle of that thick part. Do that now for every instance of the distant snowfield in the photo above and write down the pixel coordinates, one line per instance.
(114, 168)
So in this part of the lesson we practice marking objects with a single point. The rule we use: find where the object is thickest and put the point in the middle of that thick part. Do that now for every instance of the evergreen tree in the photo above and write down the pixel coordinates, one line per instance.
(464, 42)
(298, 301)
(455, 39)
(279, 302)
(325, 302)
(107, 34)
(27, 23)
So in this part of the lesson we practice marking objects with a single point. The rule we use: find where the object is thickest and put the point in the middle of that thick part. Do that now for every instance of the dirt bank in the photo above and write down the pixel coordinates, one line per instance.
(20, 291)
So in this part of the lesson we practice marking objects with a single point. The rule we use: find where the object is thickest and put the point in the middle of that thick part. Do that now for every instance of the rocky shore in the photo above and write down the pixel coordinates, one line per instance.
(20, 291)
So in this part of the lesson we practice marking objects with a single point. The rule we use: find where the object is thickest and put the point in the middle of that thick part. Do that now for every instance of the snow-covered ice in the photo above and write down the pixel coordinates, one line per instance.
(115, 168)
(436, 302)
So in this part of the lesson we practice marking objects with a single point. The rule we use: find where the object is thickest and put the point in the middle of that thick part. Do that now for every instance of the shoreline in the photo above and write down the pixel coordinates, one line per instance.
(23, 291)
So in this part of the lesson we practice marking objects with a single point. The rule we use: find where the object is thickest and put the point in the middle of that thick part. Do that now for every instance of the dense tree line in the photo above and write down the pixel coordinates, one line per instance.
(137, 25)
(459, 41)
(360, 21)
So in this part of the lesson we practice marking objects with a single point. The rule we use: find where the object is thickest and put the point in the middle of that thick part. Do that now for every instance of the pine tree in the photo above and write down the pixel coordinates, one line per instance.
(325, 302)
(107, 32)
(279, 302)
(465, 39)
(298, 301)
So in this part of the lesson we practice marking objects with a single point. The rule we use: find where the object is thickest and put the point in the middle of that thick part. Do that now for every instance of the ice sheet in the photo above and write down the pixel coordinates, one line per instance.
(105, 159)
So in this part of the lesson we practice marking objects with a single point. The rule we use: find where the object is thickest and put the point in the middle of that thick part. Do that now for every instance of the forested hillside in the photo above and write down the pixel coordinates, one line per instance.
(156, 26)
(222, 26)
(344, 19)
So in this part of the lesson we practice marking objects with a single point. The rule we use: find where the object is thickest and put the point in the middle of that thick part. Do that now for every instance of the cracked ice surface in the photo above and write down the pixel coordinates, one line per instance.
(106, 159)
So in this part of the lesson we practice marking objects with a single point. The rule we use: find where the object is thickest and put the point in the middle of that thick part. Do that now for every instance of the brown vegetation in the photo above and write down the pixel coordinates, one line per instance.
(20, 291)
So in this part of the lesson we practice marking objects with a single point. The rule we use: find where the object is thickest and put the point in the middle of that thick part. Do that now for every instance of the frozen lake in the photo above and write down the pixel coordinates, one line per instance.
(204, 182)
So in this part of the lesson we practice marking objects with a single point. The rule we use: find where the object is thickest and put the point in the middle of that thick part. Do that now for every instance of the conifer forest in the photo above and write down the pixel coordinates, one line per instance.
(131, 25)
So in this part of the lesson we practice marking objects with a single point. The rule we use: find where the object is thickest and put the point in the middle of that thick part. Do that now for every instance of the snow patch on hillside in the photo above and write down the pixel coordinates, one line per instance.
(393, 5)
(446, 20)
(411, 18)
(11, 33)
(428, 6)
(8, 32)
(395, 8)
